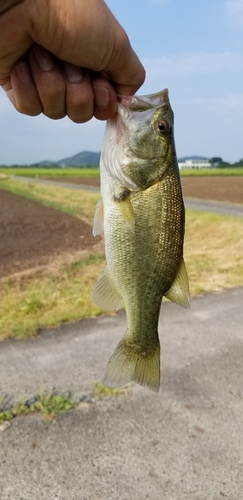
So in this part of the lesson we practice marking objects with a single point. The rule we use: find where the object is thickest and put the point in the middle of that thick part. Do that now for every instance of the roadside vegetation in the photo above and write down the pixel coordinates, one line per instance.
(211, 172)
(49, 405)
(51, 172)
(95, 172)
(213, 255)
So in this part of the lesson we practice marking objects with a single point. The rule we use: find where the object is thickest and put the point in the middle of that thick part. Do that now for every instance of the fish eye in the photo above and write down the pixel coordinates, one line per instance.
(163, 127)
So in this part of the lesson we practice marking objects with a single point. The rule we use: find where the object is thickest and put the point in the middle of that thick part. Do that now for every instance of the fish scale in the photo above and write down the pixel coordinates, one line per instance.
(143, 220)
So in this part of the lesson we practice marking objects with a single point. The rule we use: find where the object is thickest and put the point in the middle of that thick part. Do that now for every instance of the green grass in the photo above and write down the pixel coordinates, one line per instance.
(213, 251)
(51, 172)
(101, 391)
(31, 304)
(49, 405)
(208, 172)
(90, 172)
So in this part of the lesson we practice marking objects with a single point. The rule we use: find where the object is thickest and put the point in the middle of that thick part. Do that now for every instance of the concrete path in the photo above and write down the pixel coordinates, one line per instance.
(216, 207)
(184, 443)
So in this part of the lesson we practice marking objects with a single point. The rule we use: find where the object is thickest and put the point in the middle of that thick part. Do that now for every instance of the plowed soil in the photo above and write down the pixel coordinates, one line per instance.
(228, 188)
(32, 235)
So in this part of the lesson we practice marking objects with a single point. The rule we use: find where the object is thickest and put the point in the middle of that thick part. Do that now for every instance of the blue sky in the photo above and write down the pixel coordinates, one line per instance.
(194, 48)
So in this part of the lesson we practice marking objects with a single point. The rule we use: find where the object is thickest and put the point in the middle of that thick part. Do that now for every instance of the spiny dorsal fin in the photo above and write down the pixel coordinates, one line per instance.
(105, 294)
(132, 365)
(98, 226)
(179, 292)
(127, 212)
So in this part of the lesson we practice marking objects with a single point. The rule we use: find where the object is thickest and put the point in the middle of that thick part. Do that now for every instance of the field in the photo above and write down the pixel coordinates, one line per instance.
(50, 260)
(90, 172)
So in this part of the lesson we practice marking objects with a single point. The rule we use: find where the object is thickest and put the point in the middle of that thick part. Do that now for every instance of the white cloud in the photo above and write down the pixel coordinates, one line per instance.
(193, 63)
(234, 12)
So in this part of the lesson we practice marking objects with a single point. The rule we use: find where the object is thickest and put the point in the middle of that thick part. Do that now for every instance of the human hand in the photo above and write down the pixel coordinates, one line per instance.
(62, 57)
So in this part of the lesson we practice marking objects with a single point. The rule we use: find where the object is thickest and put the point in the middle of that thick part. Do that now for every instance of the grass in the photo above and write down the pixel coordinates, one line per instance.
(207, 172)
(90, 172)
(213, 255)
(101, 391)
(48, 405)
(51, 172)
(213, 251)
(78, 202)
(28, 305)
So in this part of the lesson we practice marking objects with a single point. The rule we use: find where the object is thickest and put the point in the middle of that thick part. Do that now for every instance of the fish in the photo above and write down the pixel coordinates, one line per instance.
(142, 215)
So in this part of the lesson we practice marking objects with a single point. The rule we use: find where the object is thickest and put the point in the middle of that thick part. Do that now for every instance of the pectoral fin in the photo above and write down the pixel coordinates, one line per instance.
(105, 294)
(179, 292)
(98, 226)
(127, 212)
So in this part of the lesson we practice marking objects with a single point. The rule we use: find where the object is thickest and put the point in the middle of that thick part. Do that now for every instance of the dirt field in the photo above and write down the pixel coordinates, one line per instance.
(31, 234)
(208, 188)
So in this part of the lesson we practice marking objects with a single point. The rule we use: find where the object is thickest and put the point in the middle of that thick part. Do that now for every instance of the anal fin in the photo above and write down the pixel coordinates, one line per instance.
(179, 292)
(105, 294)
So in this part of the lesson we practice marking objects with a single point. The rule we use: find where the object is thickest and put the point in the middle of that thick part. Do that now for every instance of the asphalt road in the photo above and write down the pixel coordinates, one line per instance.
(216, 207)
(184, 443)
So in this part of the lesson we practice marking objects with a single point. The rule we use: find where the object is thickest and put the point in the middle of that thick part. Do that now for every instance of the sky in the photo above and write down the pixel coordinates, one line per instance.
(193, 48)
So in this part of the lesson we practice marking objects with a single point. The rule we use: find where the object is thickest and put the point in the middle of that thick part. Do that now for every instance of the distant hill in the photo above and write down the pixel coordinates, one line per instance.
(83, 159)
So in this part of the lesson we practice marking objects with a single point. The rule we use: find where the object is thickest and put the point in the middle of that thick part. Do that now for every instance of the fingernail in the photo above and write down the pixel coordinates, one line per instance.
(43, 58)
(23, 72)
(102, 96)
(74, 74)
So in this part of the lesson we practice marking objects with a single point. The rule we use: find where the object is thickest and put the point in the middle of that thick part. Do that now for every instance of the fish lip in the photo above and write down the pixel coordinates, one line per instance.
(144, 102)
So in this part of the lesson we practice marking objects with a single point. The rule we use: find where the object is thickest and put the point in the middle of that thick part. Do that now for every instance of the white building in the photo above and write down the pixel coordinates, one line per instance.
(191, 163)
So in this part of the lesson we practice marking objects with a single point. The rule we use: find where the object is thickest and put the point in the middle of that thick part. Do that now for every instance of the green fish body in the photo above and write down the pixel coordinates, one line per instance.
(142, 214)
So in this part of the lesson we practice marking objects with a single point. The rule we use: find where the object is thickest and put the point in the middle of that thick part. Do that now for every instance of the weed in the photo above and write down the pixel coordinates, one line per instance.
(101, 391)
(46, 404)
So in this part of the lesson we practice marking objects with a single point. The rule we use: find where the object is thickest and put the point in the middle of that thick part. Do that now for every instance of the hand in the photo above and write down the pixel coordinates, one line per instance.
(60, 57)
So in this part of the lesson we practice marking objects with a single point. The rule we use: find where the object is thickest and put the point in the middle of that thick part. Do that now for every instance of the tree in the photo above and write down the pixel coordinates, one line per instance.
(216, 161)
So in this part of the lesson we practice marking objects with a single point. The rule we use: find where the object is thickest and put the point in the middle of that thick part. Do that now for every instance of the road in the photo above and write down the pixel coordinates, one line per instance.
(184, 443)
(220, 208)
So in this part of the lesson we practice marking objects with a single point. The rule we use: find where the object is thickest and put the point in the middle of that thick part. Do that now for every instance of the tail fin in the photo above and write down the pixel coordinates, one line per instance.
(131, 365)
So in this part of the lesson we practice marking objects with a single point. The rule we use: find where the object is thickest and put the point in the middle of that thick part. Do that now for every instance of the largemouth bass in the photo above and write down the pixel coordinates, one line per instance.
(142, 215)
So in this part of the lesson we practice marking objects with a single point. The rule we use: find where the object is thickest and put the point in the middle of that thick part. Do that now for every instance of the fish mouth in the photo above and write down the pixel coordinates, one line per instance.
(145, 102)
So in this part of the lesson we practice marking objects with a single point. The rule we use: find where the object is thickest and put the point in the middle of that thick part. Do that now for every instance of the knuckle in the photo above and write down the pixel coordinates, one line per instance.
(31, 110)
(55, 115)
